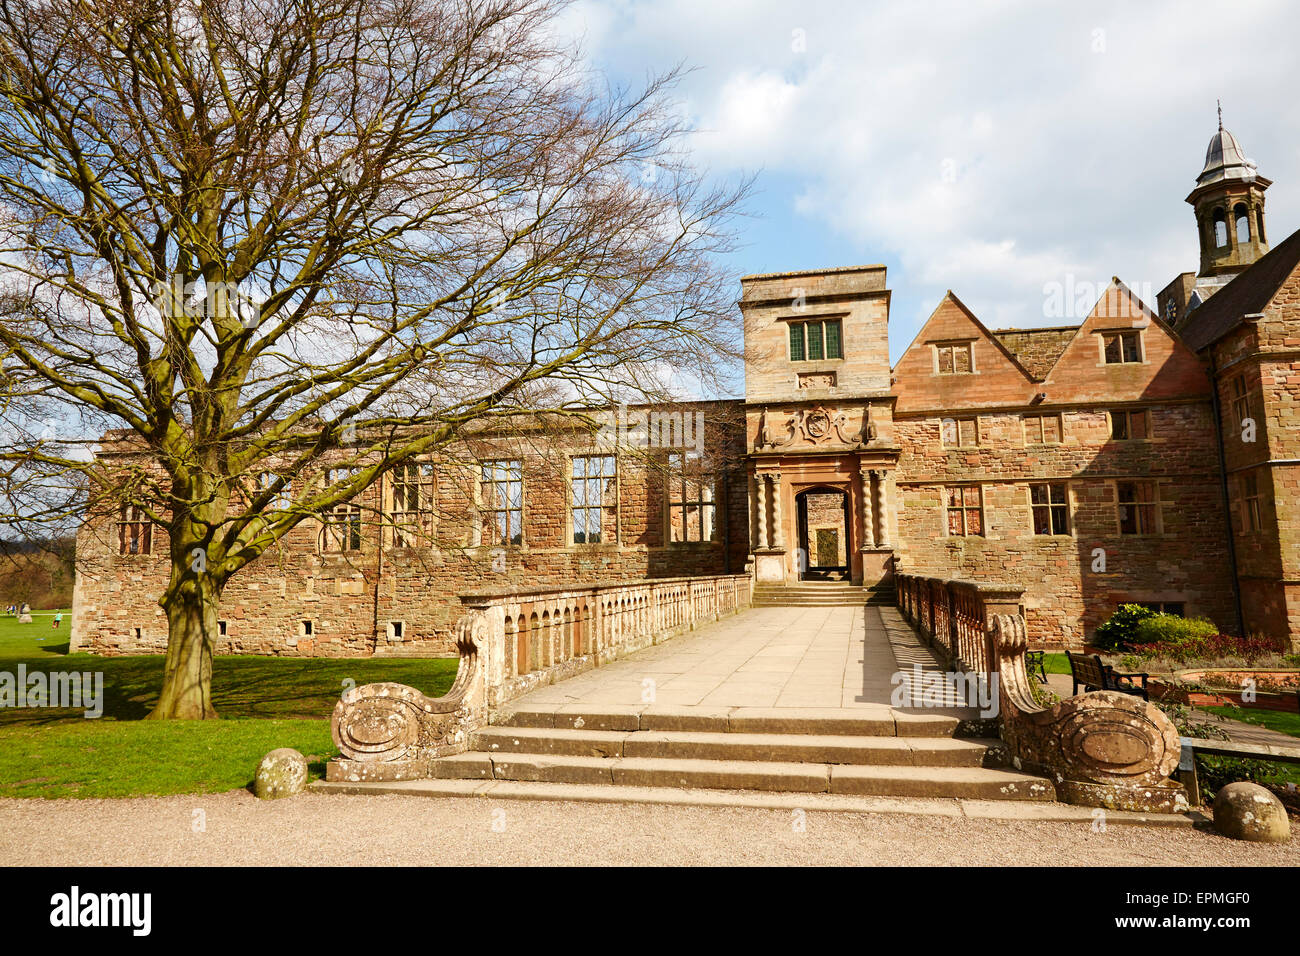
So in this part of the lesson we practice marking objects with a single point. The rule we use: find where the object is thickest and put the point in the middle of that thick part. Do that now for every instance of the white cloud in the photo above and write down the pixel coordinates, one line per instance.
(988, 148)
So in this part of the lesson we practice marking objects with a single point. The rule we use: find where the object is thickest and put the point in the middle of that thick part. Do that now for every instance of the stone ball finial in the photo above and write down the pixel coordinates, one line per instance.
(282, 773)
(1247, 811)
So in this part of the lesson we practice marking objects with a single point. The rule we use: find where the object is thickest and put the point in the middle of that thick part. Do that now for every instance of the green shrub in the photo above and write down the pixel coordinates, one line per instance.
(1120, 631)
(1171, 629)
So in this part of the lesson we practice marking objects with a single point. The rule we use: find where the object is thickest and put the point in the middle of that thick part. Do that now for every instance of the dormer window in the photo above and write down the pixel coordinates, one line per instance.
(815, 340)
(953, 358)
(1121, 347)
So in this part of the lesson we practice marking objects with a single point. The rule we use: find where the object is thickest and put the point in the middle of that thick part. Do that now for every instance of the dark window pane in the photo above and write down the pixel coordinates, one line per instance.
(1112, 349)
(814, 340)
(833, 348)
(796, 342)
(1060, 520)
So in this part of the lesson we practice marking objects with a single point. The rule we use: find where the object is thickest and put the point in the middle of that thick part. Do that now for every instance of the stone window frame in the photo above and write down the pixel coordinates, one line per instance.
(675, 496)
(963, 510)
(134, 532)
(1128, 414)
(1252, 509)
(799, 328)
(1154, 506)
(404, 527)
(957, 426)
(340, 524)
(952, 348)
(1104, 336)
(608, 512)
(1065, 507)
(1041, 417)
(1240, 400)
(482, 511)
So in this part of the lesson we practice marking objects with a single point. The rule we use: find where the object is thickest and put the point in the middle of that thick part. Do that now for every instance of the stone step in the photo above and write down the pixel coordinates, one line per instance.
(696, 745)
(879, 721)
(901, 781)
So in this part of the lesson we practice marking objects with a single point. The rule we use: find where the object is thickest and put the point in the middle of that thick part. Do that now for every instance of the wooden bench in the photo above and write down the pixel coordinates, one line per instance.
(1090, 673)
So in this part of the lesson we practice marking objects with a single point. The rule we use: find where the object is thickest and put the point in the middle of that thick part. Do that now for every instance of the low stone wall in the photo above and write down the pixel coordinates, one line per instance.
(510, 642)
(1102, 749)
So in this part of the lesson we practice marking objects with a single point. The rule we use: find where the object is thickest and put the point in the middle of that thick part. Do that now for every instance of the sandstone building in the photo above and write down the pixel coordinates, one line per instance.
(1138, 456)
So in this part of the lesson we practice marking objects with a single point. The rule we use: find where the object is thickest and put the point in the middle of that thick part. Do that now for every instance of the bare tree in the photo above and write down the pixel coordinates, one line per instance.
(243, 233)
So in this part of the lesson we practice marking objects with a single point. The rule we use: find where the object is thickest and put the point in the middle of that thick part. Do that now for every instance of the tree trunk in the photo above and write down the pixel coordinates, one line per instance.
(191, 603)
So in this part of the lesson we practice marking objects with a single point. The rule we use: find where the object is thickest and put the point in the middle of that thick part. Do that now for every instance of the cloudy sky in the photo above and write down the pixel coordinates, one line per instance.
(990, 148)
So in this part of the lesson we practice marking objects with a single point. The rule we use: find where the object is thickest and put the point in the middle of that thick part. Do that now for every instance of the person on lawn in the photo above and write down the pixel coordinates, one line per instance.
(58, 618)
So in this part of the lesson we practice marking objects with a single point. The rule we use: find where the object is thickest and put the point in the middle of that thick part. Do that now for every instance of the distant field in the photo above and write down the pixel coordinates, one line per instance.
(25, 640)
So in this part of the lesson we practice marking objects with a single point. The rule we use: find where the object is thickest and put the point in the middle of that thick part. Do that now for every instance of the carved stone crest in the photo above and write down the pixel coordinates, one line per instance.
(816, 426)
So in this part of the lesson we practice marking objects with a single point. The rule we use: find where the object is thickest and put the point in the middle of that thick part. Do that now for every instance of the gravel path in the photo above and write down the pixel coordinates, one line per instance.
(332, 829)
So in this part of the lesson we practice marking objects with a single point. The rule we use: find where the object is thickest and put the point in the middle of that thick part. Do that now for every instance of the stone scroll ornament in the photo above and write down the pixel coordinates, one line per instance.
(391, 731)
(817, 426)
(1101, 749)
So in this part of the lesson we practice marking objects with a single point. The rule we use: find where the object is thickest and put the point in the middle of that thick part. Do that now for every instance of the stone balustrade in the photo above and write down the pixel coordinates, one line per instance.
(509, 642)
(1101, 749)
(955, 615)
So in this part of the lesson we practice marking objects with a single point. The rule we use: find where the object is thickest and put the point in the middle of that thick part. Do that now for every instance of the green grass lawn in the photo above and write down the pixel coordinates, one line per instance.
(264, 702)
(1055, 663)
(29, 640)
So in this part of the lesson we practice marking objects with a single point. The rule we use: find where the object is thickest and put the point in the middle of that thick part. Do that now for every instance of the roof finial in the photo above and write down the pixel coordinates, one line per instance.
(1220, 104)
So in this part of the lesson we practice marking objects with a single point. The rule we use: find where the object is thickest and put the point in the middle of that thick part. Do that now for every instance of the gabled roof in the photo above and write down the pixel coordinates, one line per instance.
(1037, 349)
(1247, 294)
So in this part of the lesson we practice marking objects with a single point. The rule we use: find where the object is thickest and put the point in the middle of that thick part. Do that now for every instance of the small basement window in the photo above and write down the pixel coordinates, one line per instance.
(221, 629)
(396, 630)
(305, 629)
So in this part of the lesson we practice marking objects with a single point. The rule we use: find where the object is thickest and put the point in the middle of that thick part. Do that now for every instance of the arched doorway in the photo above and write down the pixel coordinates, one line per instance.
(823, 516)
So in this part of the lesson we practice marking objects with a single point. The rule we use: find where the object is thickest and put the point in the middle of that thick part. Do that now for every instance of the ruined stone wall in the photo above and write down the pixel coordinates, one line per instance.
(353, 599)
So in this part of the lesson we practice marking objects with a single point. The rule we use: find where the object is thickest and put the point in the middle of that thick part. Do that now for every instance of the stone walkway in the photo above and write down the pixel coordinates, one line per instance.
(808, 657)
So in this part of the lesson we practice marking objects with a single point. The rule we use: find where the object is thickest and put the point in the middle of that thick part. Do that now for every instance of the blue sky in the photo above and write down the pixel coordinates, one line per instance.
(992, 148)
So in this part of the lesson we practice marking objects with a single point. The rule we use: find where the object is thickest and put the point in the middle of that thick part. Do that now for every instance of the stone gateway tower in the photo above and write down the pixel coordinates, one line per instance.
(819, 413)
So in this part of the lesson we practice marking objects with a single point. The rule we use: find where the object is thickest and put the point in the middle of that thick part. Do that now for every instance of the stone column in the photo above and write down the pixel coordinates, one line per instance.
(761, 492)
(865, 509)
(882, 538)
(778, 536)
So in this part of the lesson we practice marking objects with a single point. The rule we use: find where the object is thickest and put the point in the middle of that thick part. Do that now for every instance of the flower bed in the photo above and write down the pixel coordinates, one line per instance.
(1274, 689)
